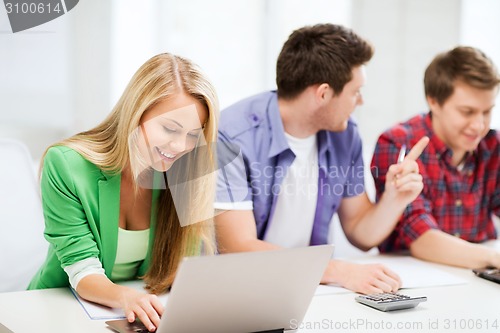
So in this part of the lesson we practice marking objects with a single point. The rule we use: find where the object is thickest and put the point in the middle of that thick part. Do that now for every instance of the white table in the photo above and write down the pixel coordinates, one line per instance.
(43, 311)
(471, 307)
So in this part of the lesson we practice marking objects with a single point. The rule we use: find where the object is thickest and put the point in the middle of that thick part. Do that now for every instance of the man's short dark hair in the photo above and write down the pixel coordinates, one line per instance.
(323, 53)
(463, 63)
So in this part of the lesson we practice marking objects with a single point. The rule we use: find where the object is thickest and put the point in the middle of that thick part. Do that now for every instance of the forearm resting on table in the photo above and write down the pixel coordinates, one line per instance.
(438, 246)
(335, 272)
(98, 288)
(366, 279)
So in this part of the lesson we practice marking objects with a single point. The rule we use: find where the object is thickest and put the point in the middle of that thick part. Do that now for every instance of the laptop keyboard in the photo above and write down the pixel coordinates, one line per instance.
(138, 327)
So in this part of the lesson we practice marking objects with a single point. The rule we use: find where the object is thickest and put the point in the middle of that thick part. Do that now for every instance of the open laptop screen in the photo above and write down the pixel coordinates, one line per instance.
(243, 292)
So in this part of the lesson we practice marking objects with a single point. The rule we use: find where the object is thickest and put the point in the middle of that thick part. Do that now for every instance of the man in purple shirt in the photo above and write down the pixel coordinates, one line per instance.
(299, 160)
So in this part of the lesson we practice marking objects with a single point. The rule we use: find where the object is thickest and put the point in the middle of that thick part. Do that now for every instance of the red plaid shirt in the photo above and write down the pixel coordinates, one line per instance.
(460, 203)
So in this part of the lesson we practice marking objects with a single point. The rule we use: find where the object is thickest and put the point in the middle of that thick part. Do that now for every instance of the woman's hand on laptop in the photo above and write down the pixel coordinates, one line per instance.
(365, 279)
(146, 307)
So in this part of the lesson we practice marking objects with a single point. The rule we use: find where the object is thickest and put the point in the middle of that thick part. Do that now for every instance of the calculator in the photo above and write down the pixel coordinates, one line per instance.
(390, 301)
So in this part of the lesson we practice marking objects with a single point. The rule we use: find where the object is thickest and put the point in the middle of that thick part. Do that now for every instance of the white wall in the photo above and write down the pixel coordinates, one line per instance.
(235, 42)
(480, 27)
(35, 82)
(407, 35)
(66, 75)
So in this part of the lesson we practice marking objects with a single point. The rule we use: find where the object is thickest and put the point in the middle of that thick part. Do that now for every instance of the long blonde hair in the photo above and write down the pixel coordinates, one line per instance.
(107, 146)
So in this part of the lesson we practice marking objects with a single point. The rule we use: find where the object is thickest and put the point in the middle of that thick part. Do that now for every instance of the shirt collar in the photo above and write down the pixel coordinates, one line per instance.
(438, 145)
(324, 142)
(278, 140)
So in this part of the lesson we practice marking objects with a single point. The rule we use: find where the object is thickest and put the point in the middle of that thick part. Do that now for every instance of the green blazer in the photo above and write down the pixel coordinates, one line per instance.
(81, 206)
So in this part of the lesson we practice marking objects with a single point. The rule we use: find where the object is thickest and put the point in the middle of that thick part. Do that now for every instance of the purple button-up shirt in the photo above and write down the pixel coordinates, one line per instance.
(252, 131)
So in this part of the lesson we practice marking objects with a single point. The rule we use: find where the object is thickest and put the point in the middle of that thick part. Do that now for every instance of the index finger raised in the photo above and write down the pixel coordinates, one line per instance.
(417, 149)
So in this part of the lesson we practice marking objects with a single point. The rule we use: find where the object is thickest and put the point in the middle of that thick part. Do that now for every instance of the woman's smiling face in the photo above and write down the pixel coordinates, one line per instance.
(170, 129)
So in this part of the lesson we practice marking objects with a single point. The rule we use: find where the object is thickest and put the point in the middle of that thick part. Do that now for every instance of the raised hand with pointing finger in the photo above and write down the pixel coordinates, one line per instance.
(403, 182)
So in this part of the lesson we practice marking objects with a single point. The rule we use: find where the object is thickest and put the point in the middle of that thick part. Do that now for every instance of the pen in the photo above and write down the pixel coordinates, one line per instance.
(402, 153)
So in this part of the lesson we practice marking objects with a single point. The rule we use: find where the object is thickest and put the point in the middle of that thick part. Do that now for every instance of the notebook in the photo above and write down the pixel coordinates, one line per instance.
(241, 292)
(490, 273)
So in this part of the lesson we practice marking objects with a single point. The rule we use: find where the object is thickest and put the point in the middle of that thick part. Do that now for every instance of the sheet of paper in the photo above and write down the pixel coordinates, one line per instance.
(413, 272)
(329, 289)
(100, 312)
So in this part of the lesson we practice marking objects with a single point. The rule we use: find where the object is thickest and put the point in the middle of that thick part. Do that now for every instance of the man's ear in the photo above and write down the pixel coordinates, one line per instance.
(323, 92)
(432, 102)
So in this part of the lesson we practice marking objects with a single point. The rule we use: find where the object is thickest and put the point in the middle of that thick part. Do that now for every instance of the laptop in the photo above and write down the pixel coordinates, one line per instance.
(4, 329)
(241, 292)
(489, 273)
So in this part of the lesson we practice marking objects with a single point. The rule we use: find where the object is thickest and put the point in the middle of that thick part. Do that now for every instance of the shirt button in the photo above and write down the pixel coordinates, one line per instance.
(458, 203)
(456, 234)
(470, 173)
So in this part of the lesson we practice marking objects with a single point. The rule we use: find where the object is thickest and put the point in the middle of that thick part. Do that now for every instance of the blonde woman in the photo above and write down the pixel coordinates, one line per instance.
(128, 199)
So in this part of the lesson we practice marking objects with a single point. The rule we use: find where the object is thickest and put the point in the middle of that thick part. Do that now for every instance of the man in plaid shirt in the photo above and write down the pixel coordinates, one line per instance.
(460, 166)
